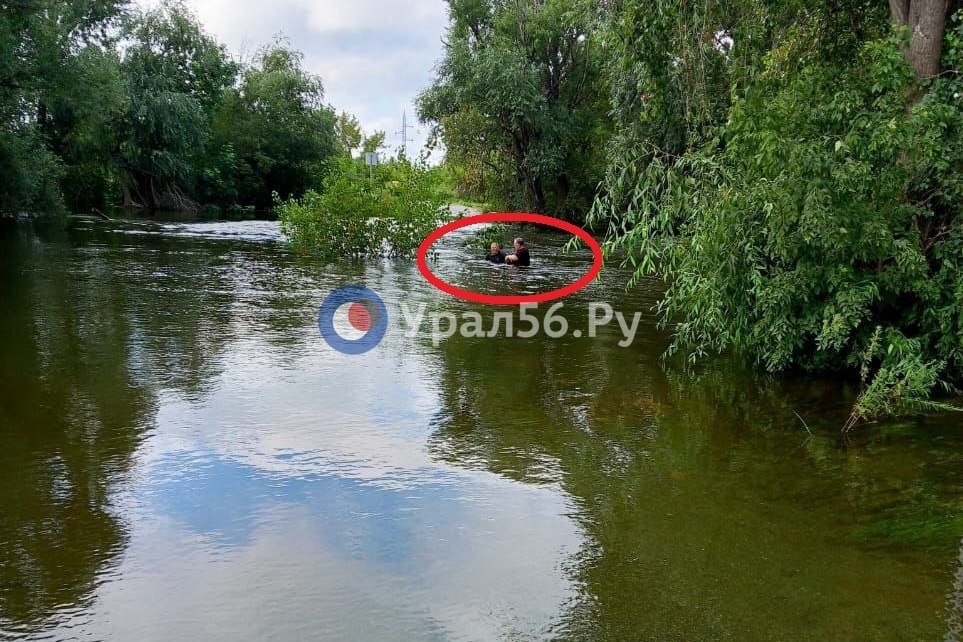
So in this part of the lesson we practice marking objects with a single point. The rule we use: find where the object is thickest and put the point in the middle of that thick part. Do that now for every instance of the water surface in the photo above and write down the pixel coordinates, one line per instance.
(183, 457)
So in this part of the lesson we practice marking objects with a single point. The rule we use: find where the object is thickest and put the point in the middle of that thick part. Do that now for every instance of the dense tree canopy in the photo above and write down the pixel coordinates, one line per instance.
(103, 104)
(176, 76)
(519, 102)
(795, 179)
(48, 49)
(273, 132)
(792, 171)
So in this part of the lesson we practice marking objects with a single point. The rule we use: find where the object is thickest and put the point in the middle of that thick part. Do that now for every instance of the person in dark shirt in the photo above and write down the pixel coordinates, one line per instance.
(495, 255)
(520, 257)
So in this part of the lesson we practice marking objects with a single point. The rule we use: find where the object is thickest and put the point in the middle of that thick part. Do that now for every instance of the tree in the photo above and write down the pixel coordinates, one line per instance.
(926, 20)
(276, 126)
(519, 94)
(83, 131)
(39, 41)
(384, 211)
(348, 130)
(374, 142)
(98, 105)
(811, 218)
(176, 76)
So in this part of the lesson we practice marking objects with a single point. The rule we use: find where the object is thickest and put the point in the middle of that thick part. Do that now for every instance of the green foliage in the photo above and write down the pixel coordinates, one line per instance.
(39, 41)
(823, 206)
(389, 214)
(518, 102)
(29, 172)
(348, 131)
(895, 380)
(374, 142)
(175, 75)
(501, 233)
(84, 130)
(272, 134)
(444, 183)
(98, 106)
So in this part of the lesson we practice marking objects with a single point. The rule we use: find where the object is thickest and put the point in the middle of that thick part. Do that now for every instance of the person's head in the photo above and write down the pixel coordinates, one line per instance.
(496, 248)
(519, 242)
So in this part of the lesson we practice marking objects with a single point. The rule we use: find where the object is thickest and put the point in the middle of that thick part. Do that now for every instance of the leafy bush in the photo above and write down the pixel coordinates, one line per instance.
(388, 213)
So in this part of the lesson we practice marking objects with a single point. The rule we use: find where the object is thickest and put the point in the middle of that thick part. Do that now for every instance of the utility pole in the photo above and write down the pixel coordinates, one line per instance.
(404, 133)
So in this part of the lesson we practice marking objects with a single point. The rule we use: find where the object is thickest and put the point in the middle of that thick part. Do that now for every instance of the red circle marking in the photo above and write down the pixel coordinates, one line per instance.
(512, 217)
(358, 317)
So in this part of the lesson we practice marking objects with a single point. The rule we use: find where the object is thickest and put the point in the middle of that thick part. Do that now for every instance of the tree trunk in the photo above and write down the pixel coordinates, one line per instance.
(128, 199)
(927, 22)
(562, 189)
(538, 194)
(41, 113)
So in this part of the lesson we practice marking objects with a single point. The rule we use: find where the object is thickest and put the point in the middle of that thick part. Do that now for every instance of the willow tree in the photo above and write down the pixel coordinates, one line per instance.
(175, 75)
(275, 129)
(806, 214)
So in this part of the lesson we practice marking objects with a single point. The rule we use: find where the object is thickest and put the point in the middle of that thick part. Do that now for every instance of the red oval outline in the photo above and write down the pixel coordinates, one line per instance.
(501, 299)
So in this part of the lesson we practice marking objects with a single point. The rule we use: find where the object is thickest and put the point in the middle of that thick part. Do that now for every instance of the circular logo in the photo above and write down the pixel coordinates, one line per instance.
(353, 319)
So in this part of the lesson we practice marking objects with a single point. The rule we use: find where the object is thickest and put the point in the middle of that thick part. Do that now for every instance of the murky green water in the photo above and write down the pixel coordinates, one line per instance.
(183, 457)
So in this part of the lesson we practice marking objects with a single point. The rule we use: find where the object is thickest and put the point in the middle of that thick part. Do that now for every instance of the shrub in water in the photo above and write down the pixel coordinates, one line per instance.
(384, 213)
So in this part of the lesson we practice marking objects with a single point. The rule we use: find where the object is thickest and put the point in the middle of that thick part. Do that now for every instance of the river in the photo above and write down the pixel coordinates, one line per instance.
(183, 456)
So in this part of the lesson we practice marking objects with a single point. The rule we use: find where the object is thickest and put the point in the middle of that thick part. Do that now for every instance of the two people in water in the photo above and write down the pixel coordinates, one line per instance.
(520, 257)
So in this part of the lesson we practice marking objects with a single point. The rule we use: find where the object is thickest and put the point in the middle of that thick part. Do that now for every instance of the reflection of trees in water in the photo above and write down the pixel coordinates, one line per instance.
(92, 329)
(709, 511)
(71, 416)
(516, 410)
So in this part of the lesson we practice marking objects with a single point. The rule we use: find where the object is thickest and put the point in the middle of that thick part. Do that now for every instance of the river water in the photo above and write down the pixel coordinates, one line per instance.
(182, 456)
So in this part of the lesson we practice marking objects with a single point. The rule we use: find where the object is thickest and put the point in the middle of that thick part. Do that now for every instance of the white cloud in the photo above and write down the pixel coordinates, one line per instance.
(419, 17)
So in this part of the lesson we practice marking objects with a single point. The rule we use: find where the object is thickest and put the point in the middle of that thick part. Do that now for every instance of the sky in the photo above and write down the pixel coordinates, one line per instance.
(373, 56)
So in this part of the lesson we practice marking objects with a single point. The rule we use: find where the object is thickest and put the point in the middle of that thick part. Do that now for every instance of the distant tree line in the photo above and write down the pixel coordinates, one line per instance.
(792, 171)
(102, 104)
